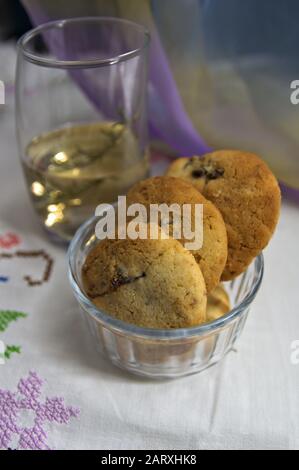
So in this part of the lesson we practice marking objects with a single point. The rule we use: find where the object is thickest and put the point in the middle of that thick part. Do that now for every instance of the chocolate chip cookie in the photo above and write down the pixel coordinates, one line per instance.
(149, 283)
(212, 254)
(247, 194)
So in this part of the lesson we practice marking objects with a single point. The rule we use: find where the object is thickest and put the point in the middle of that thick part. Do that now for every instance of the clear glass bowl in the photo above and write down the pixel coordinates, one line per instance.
(159, 353)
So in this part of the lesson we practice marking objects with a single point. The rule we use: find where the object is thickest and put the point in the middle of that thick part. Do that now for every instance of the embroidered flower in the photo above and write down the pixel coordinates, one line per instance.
(28, 397)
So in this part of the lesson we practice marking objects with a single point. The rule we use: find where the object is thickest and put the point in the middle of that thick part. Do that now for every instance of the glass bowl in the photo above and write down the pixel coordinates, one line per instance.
(158, 353)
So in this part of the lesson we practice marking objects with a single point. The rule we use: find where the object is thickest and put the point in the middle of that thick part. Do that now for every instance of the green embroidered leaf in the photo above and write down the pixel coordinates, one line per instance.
(10, 350)
(7, 316)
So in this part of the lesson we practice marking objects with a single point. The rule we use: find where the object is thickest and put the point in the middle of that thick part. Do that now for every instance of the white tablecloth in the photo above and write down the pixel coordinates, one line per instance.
(250, 400)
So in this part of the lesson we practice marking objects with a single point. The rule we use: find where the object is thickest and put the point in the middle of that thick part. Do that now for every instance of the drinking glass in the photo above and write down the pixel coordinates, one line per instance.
(81, 116)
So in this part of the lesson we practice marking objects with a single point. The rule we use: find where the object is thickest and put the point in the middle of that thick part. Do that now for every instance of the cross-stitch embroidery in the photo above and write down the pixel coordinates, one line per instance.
(33, 254)
(28, 397)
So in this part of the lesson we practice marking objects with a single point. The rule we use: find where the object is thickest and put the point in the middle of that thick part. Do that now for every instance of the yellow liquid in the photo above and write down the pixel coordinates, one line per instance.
(71, 170)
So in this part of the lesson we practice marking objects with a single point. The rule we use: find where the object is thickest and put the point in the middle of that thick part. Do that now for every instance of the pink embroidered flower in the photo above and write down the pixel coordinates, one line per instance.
(28, 398)
(9, 239)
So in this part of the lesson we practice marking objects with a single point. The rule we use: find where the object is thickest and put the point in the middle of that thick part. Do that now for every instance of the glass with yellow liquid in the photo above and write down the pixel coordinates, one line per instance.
(81, 116)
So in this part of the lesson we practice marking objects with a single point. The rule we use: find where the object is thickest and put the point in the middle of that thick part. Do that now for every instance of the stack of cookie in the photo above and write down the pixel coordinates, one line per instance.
(159, 283)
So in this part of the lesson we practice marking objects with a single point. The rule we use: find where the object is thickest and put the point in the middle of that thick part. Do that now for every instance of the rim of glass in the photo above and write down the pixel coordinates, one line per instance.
(50, 62)
(153, 333)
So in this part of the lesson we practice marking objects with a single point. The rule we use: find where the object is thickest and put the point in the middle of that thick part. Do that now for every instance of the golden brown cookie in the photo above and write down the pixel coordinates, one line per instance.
(150, 283)
(212, 256)
(247, 194)
(218, 303)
